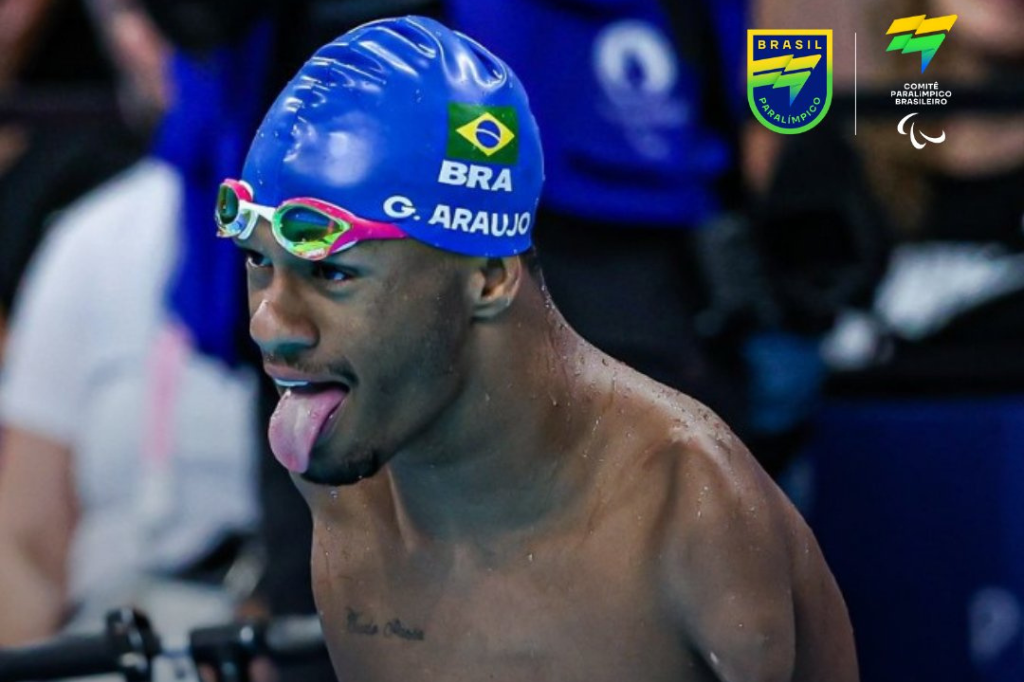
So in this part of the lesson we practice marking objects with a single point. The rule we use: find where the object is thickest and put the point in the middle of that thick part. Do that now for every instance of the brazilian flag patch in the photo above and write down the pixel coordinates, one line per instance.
(483, 134)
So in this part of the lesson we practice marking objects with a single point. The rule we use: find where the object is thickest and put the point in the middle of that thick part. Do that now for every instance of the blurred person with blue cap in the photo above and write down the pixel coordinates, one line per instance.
(641, 105)
(490, 493)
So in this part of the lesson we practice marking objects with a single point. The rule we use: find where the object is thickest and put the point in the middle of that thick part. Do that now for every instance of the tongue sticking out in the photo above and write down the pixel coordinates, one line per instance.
(297, 422)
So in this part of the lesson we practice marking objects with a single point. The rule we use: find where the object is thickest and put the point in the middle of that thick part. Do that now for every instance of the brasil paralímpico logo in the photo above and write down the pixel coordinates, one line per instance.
(789, 78)
(920, 34)
(483, 134)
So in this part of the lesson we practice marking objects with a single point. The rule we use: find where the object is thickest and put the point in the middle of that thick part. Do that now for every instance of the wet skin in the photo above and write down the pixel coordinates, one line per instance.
(531, 509)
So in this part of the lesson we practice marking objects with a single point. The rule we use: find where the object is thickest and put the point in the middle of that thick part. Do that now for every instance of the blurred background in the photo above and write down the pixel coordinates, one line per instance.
(852, 305)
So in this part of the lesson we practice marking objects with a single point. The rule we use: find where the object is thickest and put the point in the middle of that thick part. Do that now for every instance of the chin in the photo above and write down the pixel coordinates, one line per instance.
(348, 471)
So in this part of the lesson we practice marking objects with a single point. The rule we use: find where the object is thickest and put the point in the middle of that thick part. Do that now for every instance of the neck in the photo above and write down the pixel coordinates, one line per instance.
(499, 458)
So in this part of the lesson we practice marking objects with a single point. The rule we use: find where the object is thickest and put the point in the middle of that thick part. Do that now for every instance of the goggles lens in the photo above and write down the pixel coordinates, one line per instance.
(307, 232)
(232, 218)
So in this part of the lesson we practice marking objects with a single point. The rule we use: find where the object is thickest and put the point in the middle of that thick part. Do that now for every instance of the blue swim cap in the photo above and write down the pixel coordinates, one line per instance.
(408, 122)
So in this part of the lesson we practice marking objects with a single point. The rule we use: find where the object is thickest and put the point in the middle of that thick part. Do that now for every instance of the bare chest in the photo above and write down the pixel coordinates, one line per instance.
(580, 609)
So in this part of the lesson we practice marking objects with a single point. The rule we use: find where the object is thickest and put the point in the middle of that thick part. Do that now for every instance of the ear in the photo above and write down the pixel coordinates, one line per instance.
(494, 285)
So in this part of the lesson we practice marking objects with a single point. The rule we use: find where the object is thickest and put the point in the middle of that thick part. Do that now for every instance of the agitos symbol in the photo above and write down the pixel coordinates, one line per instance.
(920, 34)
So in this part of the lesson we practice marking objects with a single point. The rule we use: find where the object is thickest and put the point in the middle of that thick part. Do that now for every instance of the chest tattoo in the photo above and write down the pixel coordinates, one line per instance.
(358, 623)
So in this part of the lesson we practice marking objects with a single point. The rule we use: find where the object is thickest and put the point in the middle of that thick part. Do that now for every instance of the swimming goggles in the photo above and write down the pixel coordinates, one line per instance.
(305, 227)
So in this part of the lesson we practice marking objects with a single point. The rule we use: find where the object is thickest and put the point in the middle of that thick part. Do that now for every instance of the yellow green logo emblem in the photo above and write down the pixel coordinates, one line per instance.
(483, 134)
(920, 34)
(789, 78)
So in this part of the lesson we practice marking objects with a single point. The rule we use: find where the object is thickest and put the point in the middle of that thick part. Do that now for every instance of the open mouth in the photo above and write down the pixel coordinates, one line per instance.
(304, 416)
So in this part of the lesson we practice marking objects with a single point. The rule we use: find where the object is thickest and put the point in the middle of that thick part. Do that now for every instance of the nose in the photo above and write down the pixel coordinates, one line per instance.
(280, 324)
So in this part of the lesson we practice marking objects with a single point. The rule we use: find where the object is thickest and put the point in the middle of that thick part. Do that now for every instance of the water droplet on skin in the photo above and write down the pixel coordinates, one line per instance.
(700, 500)
(529, 557)
(334, 494)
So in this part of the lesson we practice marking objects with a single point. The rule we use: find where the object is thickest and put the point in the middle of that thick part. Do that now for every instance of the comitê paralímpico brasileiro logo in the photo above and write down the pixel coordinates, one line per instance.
(789, 77)
(920, 34)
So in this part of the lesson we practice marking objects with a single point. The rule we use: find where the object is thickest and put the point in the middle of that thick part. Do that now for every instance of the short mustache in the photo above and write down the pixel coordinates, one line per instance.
(336, 369)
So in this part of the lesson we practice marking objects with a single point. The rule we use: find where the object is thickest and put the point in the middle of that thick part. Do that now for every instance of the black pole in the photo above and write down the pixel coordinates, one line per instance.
(127, 646)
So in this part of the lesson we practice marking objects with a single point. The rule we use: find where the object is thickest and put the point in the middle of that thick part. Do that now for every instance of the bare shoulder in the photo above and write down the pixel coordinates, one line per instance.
(738, 567)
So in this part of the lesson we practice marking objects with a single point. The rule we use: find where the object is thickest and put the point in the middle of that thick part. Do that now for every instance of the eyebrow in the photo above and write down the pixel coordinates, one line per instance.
(348, 258)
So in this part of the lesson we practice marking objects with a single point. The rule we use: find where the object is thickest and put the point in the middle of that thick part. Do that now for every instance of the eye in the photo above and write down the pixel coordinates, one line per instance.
(255, 259)
(330, 273)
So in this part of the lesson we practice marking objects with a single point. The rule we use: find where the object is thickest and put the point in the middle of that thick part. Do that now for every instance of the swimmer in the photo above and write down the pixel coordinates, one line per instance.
(493, 497)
